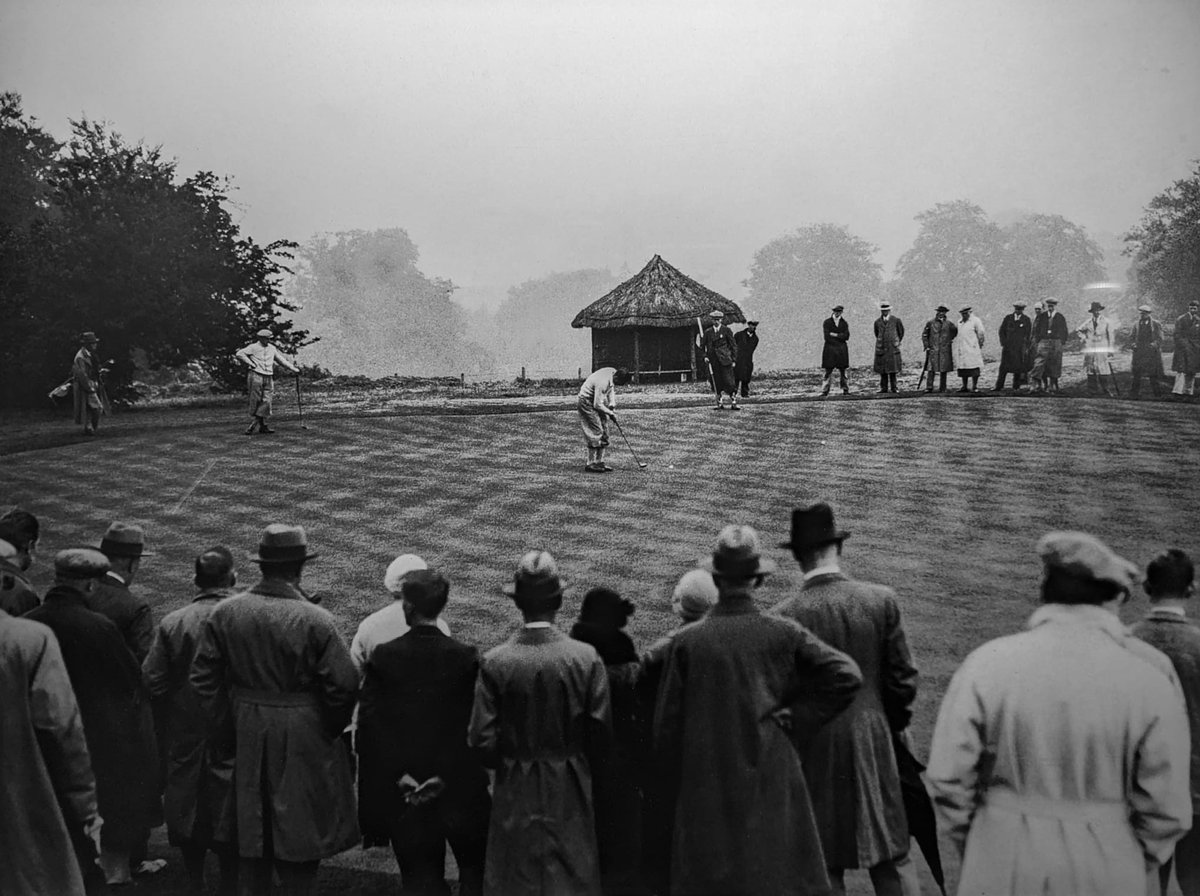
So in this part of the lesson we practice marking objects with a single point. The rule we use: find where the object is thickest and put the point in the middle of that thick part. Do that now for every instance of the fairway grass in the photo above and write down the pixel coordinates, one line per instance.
(944, 499)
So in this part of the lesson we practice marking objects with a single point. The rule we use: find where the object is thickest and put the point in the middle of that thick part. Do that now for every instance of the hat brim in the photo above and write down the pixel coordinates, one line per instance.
(120, 550)
(255, 558)
(796, 546)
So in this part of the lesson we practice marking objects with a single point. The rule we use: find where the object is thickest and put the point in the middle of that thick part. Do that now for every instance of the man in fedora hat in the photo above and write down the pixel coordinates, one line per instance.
(541, 718)
(835, 355)
(260, 359)
(275, 678)
(968, 349)
(1059, 761)
(88, 393)
(1185, 361)
(124, 544)
(938, 341)
(851, 763)
(1097, 348)
(1016, 344)
(197, 774)
(743, 821)
(889, 333)
(721, 349)
(746, 342)
(1146, 341)
(1049, 336)
(113, 703)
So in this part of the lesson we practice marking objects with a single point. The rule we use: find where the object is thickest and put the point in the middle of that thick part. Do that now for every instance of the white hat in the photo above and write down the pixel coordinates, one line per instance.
(399, 568)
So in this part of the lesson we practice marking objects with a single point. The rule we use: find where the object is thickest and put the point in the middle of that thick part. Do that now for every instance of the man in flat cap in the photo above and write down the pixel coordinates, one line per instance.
(1016, 347)
(275, 680)
(850, 763)
(743, 823)
(1049, 337)
(115, 707)
(1059, 761)
(198, 776)
(1171, 585)
(1097, 333)
(835, 355)
(889, 333)
(1146, 342)
(88, 394)
(938, 340)
(721, 351)
(19, 532)
(746, 341)
(597, 405)
(124, 544)
(1185, 362)
(968, 349)
(542, 719)
(260, 359)
(48, 809)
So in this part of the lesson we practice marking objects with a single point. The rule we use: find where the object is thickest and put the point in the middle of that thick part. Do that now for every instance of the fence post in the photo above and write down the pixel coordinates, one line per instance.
(522, 373)
(580, 374)
(463, 378)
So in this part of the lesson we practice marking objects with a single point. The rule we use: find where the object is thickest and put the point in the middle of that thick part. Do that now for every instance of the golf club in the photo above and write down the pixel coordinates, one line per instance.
(300, 404)
(641, 466)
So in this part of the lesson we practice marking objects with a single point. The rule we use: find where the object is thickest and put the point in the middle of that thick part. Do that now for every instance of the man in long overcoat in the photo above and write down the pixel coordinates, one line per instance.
(1059, 761)
(1146, 341)
(1171, 585)
(124, 545)
(274, 676)
(47, 790)
(889, 333)
(721, 351)
(938, 340)
(1186, 359)
(1049, 336)
(198, 777)
(835, 355)
(850, 763)
(87, 391)
(113, 702)
(745, 341)
(744, 824)
(968, 349)
(1097, 333)
(1016, 344)
(542, 719)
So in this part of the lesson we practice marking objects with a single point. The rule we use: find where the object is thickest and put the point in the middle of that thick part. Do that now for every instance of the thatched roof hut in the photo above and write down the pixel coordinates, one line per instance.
(648, 323)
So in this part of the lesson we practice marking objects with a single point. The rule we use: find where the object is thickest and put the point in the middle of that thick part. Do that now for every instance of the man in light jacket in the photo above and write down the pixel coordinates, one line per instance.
(968, 349)
(1097, 333)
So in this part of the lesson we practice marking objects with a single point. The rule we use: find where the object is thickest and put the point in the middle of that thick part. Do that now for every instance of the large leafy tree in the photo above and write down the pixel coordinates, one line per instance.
(1047, 255)
(1165, 246)
(794, 281)
(108, 238)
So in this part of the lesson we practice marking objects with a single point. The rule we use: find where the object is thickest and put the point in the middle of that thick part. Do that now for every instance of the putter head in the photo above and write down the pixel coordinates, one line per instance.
(642, 466)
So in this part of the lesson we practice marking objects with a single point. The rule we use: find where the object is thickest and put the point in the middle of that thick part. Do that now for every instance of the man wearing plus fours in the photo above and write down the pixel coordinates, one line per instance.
(260, 359)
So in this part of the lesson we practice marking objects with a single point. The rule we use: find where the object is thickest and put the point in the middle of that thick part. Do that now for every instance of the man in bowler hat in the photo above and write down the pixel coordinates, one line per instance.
(851, 763)
(124, 544)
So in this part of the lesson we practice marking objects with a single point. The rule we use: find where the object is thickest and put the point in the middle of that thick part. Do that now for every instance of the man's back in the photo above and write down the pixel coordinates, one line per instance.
(113, 599)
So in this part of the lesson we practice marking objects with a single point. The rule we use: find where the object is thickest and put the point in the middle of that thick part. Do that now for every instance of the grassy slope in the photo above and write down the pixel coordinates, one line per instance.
(945, 498)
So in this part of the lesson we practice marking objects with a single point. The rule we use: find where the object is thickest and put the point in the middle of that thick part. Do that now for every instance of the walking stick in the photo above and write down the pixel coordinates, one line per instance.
(1112, 373)
(925, 368)
(300, 404)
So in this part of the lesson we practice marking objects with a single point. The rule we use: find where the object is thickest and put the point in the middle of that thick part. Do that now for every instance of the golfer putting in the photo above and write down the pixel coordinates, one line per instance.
(597, 405)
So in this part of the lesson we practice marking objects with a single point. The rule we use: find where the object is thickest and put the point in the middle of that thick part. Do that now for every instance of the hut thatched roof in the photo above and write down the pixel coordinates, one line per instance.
(659, 296)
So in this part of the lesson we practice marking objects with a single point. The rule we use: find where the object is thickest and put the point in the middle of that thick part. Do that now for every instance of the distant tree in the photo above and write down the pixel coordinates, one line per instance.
(1165, 247)
(1046, 255)
(795, 280)
(954, 261)
(533, 324)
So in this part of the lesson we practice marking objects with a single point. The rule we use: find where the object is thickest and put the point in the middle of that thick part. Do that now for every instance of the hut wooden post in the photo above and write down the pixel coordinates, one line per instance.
(637, 356)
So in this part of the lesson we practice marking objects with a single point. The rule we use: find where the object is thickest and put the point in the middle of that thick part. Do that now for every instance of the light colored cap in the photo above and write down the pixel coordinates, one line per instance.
(1145, 308)
(399, 568)
(1086, 557)
(695, 594)
(264, 332)
(885, 306)
(716, 314)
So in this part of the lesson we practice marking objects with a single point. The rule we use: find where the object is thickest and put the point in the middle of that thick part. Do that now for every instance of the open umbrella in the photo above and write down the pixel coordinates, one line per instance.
(922, 824)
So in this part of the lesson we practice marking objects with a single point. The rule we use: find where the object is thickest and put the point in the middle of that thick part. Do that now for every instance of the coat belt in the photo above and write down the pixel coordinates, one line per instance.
(274, 698)
(1007, 800)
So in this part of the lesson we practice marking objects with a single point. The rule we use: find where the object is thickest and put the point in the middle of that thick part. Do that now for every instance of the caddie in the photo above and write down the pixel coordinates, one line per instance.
(260, 358)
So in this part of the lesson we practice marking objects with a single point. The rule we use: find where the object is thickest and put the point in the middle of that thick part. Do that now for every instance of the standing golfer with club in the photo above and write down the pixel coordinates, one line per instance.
(597, 405)
(260, 358)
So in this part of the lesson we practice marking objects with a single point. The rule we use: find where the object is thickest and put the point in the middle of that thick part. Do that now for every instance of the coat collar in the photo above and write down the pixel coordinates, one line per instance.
(1159, 615)
(1079, 614)
(64, 595)
(214, 594)
(735, 606)
(824, 579)
(114, 580)
(277, 588)
(538, 635)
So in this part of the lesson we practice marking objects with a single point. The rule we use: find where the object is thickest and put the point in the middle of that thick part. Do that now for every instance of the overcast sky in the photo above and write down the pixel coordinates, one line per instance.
(512, 139)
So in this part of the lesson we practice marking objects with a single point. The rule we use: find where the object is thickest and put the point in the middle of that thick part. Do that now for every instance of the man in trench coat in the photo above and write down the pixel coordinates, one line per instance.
(276, 681)
(889, 333)
(124, 545)
(744, 824)
(850, 763)
(542, 719)
(746, 341)
(938, 341)
(1146, 341)
(1185, 362)
(835, 355)
(1016, 347)
(87, 392)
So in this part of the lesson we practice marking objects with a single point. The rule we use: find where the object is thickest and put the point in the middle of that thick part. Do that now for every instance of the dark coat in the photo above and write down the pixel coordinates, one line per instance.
(130, 613)
(416, 704)
(47, 791)
(17, 596)
(1146, 340)
(198, 781)
(87, 391)
(1046, 326)
(116, 715)
(1016, 342)
(1179, 638)
(1187, 344)
(273, 672)
(743, 820)
(836, 354)
(720, 346)
(938, 340)
(889, 333)
(850, 763)
(745, 343)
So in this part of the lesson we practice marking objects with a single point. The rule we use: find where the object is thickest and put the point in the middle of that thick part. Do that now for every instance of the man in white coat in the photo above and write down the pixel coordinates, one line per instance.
(1097, 333)
(968, 349)
(1059, 762)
